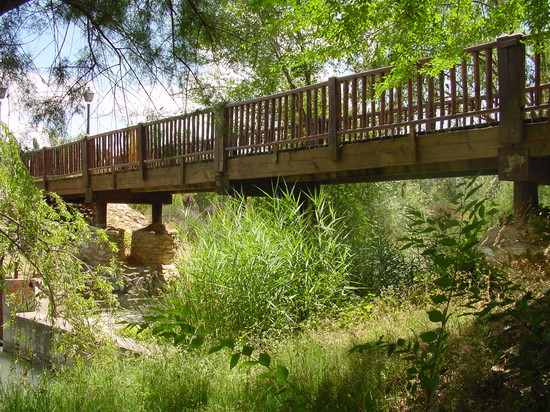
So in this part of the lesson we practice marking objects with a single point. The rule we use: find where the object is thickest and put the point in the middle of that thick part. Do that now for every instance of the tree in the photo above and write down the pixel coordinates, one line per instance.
(126, 42)
(401, 32)
(268, 45)
(40, 239)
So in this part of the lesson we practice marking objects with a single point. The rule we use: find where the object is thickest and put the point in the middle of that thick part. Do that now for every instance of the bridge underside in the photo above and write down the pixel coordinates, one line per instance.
(454, 153)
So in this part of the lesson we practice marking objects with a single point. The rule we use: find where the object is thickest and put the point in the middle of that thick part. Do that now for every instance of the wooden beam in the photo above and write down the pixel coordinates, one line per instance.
(45, 168)
(85, 162)
(142, 150)
(333, 118)
(156, 214)
(127, 196)
(511, 81)
(221, 138)
(101, 215)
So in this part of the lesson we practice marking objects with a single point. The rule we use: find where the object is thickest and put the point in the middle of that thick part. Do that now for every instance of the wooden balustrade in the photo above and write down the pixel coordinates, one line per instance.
(340, 111)
(289, 120)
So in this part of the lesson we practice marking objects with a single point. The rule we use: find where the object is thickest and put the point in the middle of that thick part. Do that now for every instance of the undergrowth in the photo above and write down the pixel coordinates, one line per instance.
(264, 267)
(265, 316)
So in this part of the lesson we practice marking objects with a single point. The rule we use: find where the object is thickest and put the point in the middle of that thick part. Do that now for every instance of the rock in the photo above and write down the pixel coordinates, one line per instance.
(508, 244)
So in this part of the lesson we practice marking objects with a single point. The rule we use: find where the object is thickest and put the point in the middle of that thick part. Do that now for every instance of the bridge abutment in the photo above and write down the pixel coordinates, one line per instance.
(154, 245)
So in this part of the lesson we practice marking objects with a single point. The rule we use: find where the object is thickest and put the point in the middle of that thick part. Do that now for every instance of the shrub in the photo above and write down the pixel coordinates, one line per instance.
(264, 265)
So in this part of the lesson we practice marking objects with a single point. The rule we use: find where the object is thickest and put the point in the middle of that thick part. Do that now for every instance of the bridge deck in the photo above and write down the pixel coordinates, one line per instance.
(473, 118)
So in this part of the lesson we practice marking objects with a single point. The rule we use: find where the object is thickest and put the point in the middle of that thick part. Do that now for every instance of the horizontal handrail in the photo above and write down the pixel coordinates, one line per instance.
(339, 111)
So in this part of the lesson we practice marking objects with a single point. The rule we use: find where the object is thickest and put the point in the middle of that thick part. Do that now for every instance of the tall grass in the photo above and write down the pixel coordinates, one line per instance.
(325, 377)
(264, 265)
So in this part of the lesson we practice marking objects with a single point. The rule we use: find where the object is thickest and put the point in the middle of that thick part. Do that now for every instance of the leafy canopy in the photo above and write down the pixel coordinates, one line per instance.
(258, 47)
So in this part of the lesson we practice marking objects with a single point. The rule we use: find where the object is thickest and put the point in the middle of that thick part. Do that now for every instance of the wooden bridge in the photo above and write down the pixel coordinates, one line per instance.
(487, 115)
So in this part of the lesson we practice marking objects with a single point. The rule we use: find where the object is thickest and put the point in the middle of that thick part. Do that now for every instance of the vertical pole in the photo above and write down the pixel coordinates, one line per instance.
(511, 83)
(142, 150)
(88, 119)
(156, 214)
(45, 168)
(333, 118)
(101, 215)
(221, 138)
(85, 163)
(221, 156)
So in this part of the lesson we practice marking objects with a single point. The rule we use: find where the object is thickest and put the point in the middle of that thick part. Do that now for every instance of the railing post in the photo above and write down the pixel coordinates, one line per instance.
(511, 84)
(333, 118)
(221, 126)
(44, 168)
(85, 162)
(221, 155)
(142, 152)
(514, 161)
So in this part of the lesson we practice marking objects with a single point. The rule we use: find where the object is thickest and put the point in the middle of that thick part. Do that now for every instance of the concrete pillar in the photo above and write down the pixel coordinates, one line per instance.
(101, 215)
(156, 214)
(526, 200)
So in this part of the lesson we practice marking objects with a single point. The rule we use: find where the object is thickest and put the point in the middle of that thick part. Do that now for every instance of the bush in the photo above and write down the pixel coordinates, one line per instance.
(264, 265)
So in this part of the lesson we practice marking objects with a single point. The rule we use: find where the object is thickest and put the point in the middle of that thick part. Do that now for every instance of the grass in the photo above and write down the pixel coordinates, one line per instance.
(276, 276)
(323, 376)
(254, 269)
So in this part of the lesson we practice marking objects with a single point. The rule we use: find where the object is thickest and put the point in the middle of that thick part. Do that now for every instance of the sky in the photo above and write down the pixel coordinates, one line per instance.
(109, 110)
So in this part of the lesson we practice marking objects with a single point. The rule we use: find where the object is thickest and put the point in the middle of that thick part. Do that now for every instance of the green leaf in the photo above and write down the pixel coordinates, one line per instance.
(443, 282)
(267, 375)
(280, 390)
(438, 299)
(471, 192)
(149, 318)
(249, 364)
(159, 328)
(196, 342)
(400, 342)
(435, 316)
(215, 349)
(264, 359)
(247, 350)
(428, 336)
(391, 348)
(228, 343)
(234, 360)
(282, 373)
(179, 339)
(187, 328)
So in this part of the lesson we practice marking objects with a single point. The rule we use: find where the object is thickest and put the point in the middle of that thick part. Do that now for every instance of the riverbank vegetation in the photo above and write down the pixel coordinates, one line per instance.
(351, 302)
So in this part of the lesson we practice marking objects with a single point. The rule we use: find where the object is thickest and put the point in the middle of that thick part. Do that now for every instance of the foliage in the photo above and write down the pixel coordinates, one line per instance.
(371, 216)
(267, 266)
(40, 239)
(447, 240)
(252, 47)
(401, 32)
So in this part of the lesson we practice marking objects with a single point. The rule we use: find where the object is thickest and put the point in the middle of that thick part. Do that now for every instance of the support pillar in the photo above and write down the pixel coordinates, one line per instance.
(156, 214)
(101, 215)
(526, 200)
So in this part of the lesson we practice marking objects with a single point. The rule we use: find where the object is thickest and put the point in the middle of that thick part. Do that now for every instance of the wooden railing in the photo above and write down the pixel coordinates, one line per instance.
(340, 111)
